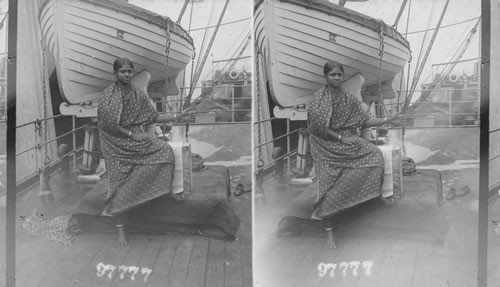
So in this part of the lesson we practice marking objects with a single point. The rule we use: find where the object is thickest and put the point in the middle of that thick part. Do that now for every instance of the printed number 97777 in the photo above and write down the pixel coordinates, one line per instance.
(122, 270)
(343, 267)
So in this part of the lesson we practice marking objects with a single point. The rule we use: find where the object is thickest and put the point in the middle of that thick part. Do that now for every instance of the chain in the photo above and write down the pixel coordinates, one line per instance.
(408, 81)
(46, 159)
(407, 102)
(260, 163)
(192, 74)
(381, 56)
(259, 135)
(167, 53)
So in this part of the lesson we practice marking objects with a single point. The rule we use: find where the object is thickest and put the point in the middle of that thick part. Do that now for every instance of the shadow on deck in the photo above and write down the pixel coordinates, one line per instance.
(415, 242)
(170, 259)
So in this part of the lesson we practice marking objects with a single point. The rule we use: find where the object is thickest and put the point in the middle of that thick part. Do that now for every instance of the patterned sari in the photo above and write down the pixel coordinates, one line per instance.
(347, 174)
(139, 171)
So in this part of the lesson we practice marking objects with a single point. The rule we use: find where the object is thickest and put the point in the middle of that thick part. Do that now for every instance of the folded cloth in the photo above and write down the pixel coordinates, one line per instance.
(409, 166)
(59, 229)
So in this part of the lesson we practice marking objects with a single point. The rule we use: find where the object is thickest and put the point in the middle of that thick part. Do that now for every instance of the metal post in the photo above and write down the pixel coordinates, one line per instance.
(74, 143)
(484, 143)
(288, 142)
(10, 228)
(232, 104)
(449, 108)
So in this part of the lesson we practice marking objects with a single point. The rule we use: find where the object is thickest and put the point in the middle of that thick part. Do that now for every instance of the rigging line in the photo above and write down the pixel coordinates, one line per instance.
(205, 35)
(235, 42)
(401, 9)
(233, 55)
(405, 103)
(186, 2)
(463, 42)
(3, 20)
(198, 71)
(461, 39)
(243, 43)
(420, 68)
(239, 54)
(192, 64)
(223, 24)
(444, 26)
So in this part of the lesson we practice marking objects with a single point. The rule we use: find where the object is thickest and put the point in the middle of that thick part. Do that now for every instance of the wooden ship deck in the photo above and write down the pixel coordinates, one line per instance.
(414, 242)
(175, 259)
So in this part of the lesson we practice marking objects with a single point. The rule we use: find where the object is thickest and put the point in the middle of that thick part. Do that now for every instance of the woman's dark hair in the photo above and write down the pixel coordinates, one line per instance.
(120, 62)
(330, 65)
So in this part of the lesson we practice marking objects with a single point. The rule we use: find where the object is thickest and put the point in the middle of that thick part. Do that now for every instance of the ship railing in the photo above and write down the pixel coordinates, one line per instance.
(43, 163)
(447, 114)
(289, 155)
(234, 110)
(42, 167)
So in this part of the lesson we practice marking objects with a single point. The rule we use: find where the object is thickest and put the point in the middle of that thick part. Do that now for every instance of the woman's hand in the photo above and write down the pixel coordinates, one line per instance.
(186, 117)
(141, 137)
(397, 120)
(348, 140)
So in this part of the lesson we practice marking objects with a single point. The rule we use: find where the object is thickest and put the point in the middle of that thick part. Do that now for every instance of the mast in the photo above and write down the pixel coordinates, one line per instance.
(427, 52)
(182, 11)
(10, 224)
(200, 69)
(453, 63)
(403, 5)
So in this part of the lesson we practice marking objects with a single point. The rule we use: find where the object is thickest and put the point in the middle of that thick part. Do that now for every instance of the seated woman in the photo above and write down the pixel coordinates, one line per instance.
(349, 169)
(140, 166)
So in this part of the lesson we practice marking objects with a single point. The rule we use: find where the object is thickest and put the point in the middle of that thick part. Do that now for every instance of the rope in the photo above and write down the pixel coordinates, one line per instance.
(223, 24)
(167, 54)
(444, 26)
(259, 133)
(405, 105)
(46, 159)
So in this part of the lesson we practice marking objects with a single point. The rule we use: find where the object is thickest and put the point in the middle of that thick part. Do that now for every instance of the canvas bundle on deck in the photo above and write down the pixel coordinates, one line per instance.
(393, 171)
(183, 174)
(206, 210)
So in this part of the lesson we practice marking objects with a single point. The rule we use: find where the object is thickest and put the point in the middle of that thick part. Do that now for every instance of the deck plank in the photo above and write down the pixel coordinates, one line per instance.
(423, 268)
(198, 262)
(439, 266)
(294, 252)
(348, 250)
(178, 272)
(215, 264)
(233, 276)
(151, 253)
(243, 207)
(160, 275)
(69, 265)
(308, 263)
(246, 260)
(405, 267)
(32, 267)
(137, 248)
(113, 254)
(385, 257)
(309, 270)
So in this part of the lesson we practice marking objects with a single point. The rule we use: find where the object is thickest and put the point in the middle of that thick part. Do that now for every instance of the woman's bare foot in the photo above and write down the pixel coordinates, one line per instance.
(122, 240)
(387, 201)
(178, 197)
(330, 241)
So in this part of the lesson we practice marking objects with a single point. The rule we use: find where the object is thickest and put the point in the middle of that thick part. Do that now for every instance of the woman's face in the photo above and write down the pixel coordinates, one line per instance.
(335, 77)
(124, 74)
